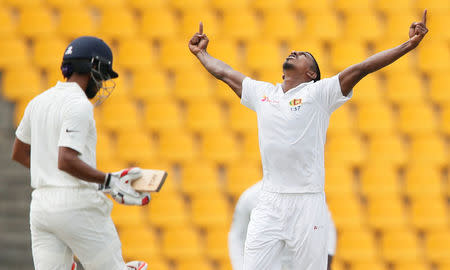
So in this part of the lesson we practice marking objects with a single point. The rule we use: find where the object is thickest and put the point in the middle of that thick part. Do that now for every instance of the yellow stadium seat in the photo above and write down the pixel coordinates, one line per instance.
(163, 115)
(225, 265)
(338, 180)
(177, 146)
(272, 75)
(371, 265)
(15, 87)
(117, 23)
(182, 243)
(105, 146)
(224, 93)
(192, 18)
(241, 175)
(268, 5)
(324, 25)
(429, 150)
(109, 164)
(242, 119)
(167, 210)
(311, 45)
(263, 55)
(347, 149)
(446, 119)
(230, 5)
(376, 119)
(417, 119)
(438, 246)
(417, 265)
(217, 243)
(400, 246)
(145, 4)
(54, 75)
(204, 116)
(437, 22)
(120, 114)
(150, 85)
(36, 22)
(210, 210)
(188, 5)
(379, 180)
(444, 266)
(194, 264)
(438, 88)
(387, 149)
(397, 23)
(439, 6)
(345, 53)
(13, 53)
(394, 7)
(429, 213)
(139, 243)
(127, 216)
(192, 85)
(7, 25)
(200, 178)
(280, 25)
(404, 88)
(363, 26)
(105, 4)
(356, 245)
(423, 180)
(240, 24)
(347, 211)
(160, 24)
(134, 54)
(135, 146)
(227, 51)
(342, 121)
(158, 263)
(75, 22)
(220, 147)
(48, 52)
(23, 3)
(353, 6)
(174, 55)
(433, 57)
(319, 6)
(368, 90)
(62, 4)
(386, 212)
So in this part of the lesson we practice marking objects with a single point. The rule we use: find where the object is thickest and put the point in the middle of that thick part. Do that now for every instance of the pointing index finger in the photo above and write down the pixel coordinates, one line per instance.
(200, 28)
(424, 18)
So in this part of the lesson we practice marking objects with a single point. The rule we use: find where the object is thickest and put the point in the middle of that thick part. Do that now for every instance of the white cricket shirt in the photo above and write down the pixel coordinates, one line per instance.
(292, 130)
(60, 116)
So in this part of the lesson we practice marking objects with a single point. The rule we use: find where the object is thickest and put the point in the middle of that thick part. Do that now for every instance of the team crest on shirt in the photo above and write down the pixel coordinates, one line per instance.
(295, 104)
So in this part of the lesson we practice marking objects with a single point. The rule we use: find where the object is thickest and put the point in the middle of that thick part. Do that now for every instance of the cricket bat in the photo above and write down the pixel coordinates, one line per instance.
(151, 181)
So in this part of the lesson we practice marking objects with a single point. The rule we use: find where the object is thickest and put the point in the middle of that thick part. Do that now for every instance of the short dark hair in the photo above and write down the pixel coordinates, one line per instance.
(315, 67)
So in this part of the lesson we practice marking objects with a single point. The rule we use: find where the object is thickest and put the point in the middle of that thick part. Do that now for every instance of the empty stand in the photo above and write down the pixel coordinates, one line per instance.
(423, 181)
(356, 245)
(135, 54)
(387, 149)
(379, 180)
(36, 22)
(429, 213)
(182, 243)
(210, 210)
(204, 115)
(168, 209)
(200, 178)
(400, 246)
(242, 175)
(117, 23)
(163, 115)
(75, 22)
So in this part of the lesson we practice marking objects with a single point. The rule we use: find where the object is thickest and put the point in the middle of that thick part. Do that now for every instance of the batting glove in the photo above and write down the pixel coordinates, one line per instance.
(137, 265)
(118, 184)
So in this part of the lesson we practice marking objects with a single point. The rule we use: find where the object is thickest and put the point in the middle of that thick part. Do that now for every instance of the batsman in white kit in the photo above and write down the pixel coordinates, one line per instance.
(238, 232)
(293, 118)
(56, 140)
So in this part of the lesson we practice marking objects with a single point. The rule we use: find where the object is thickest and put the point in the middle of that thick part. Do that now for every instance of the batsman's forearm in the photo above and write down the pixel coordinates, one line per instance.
(385, 58)
(74, 166)
(216, 67)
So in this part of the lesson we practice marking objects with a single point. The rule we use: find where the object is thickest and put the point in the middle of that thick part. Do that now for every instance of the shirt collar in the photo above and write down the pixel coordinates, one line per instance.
(294, 89)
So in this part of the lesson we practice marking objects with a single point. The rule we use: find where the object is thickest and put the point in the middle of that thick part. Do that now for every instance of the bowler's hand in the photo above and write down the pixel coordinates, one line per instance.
(199, 42)
(418, 30)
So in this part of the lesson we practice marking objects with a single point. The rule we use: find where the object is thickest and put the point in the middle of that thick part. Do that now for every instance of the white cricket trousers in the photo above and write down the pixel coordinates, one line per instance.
(296, 223)
(68, 221)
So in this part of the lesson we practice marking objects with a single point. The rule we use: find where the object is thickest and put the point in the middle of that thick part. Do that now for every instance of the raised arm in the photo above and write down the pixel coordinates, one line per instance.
(219, 69)
(353, 74)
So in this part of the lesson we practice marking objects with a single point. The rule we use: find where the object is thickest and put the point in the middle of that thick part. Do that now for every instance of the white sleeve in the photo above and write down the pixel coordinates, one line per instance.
(23, 132)
(75, 126)
(238, 233)
(328, 94)
(252, 91)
